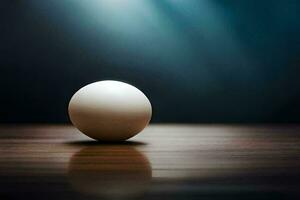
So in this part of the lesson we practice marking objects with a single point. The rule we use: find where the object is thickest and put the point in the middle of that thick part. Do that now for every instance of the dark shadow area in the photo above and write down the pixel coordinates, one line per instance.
(103, 143)
(110, 172)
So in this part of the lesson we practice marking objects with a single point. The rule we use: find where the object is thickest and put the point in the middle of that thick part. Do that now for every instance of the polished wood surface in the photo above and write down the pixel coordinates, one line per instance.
(162, 162)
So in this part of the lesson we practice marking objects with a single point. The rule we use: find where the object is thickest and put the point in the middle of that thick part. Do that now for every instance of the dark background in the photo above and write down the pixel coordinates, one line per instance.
(197, 61)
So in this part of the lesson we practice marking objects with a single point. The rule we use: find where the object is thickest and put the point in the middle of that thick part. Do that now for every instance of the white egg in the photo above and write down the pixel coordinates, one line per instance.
(110, 110)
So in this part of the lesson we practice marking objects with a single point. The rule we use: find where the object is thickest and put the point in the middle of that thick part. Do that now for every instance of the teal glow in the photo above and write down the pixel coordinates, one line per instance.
(204, 48)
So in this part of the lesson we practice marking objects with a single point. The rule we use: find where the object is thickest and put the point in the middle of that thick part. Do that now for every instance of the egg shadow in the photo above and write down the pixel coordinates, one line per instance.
(85, 143)
(109, 171)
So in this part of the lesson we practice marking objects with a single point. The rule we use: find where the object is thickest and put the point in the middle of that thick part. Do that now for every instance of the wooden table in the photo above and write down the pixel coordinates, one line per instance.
(162, 162)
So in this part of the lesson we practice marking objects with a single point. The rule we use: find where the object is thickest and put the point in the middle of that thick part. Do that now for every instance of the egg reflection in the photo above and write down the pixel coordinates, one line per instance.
(109, 171)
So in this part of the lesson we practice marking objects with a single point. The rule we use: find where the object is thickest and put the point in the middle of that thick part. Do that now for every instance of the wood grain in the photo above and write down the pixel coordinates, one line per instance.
(164, 161)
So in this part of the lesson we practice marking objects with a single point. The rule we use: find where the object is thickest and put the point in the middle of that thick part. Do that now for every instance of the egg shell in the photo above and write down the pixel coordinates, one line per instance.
(110, 110)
